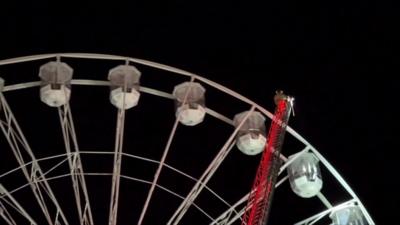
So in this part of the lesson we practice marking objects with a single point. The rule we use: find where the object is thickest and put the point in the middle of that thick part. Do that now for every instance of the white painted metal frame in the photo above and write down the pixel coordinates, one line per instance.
(6, 215)
(173, 169)
(17, 143)
(7, 198)
(214, 164)
(163, 157)
(75, 166)
(119, 140)
(64, 158)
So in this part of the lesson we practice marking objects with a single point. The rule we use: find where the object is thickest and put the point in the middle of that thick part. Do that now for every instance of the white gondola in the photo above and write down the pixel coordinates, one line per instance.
(305, 175)
(124, 86)
(55, 88)
(251, 138)
(190, 103)
(351, 215)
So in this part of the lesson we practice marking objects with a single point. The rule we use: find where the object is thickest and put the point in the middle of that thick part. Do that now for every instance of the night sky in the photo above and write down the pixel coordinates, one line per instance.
(335, 58)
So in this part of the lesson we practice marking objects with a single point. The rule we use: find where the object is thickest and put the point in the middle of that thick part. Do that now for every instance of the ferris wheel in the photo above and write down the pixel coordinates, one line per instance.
(102, 139)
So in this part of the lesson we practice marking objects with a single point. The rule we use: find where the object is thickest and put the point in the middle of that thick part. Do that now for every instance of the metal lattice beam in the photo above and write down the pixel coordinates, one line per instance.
(17, 143)
(75, 166)
(6, 215)
(116, 178)
(7, 198)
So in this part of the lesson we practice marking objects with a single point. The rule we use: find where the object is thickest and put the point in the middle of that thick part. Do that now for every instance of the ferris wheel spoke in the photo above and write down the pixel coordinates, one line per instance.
(17, 141)
(116, 178)
(6, 215)
(116, 168)
(158, 172)
(324, 200)
(225, 217)
(75, 166)
(163, 158)
(208, 173)
(236, 217)
(12, 202)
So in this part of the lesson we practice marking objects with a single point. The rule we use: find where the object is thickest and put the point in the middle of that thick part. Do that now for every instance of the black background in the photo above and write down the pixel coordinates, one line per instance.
(336, 58)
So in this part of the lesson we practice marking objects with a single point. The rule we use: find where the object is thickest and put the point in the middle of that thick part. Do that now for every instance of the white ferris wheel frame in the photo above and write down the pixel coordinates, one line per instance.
(234, 211)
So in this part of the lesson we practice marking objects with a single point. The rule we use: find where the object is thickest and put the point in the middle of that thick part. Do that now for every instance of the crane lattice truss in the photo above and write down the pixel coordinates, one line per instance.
(259, 200)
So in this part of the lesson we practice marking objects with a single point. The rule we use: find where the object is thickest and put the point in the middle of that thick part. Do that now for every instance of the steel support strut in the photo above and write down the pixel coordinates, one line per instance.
(17, 142)
(8, 199)
(116, 178)
(75, 166)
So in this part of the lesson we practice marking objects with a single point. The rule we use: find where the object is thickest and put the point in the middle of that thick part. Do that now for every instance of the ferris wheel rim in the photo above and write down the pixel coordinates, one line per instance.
(128, 177)
(132, 156)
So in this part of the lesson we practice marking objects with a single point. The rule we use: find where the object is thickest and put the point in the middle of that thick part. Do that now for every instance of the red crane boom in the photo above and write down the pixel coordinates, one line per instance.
(260, 198)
